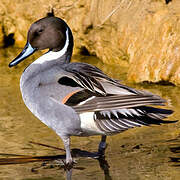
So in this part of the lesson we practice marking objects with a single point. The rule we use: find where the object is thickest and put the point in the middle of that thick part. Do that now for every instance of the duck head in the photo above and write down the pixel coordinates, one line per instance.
(47, 33)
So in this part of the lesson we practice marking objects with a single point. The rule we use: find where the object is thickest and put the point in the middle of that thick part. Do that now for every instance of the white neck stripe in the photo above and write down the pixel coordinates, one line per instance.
(51, 55)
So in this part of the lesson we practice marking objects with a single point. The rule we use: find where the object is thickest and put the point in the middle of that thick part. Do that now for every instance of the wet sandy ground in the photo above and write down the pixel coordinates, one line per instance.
(141, 153)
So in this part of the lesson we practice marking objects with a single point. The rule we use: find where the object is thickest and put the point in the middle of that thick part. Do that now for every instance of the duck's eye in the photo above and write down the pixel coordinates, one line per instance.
(40, 30)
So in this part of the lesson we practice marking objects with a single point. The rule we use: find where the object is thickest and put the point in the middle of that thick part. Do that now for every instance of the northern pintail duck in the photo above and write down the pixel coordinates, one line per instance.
(78, 99)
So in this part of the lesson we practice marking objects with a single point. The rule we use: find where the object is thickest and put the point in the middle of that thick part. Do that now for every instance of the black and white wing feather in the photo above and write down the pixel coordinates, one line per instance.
(115, 121)
(115, 107)
(91, 78)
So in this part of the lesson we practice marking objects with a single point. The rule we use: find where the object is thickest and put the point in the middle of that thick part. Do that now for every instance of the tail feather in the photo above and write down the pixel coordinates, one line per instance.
(115, 121)
(155, 115)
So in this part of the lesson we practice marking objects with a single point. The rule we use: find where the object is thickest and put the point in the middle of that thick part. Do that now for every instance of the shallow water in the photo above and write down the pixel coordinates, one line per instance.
(140, 153)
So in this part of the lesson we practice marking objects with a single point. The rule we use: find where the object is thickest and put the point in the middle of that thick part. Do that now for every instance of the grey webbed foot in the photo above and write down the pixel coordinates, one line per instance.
(68, 166)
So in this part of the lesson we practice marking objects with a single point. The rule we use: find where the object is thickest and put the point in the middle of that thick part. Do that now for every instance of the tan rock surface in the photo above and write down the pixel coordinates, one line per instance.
(143, 35)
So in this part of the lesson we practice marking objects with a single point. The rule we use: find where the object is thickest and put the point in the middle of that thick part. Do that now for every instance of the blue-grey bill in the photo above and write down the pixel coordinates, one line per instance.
(26, 52)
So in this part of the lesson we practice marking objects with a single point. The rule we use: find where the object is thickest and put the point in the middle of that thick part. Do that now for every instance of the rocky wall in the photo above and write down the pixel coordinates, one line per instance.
(143, 35)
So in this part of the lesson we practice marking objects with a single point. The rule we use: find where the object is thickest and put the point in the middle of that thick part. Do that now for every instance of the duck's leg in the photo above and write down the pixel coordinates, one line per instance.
(102, 146)
(69, 160)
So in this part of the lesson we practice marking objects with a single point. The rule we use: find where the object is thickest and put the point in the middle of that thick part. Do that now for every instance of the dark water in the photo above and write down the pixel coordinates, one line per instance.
(140, 153)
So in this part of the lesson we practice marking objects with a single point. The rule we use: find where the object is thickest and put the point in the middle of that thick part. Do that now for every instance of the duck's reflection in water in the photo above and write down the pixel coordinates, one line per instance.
(102, 163)
(77, 153)
(58, 162)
